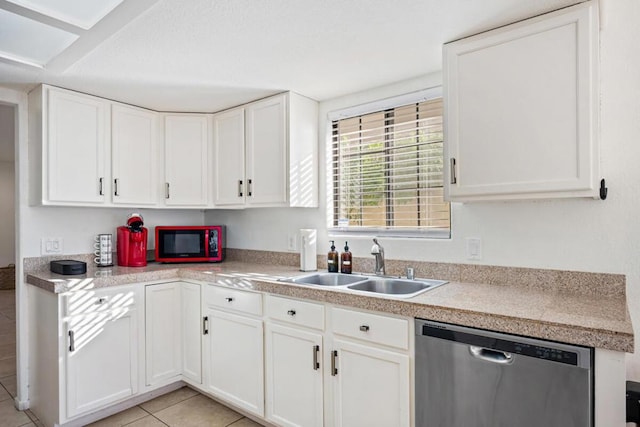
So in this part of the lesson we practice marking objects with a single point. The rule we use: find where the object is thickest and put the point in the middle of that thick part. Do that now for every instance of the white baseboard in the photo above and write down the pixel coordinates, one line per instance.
(129, 403)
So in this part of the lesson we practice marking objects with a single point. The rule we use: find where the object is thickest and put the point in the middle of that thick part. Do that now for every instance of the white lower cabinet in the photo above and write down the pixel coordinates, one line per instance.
(172, 333)
(162, 332)
(109, 338)
(294, 377)
(234, 348)
(294, 371)
(83, 351)
(365, 361)
(371, 387)
(191, 332)
(292, 362)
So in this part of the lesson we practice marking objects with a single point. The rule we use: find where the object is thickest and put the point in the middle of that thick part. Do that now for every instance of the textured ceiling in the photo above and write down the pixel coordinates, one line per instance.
(204, 55)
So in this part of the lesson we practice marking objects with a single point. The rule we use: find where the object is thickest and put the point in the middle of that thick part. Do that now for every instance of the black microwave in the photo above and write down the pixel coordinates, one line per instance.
(197, 243)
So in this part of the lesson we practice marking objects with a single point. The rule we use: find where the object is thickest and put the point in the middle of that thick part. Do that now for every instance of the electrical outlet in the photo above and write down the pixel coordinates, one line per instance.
(292, 242)
(474, 248)
(50, 245)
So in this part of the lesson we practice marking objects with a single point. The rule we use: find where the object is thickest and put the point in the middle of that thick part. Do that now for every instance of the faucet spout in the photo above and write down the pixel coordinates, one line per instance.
(378, 251)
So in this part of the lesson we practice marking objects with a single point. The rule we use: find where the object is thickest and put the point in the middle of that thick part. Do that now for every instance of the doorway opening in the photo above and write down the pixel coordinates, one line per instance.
(8, 256)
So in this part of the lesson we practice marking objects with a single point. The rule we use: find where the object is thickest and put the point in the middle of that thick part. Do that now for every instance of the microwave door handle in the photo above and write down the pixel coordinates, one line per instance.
(206, 243)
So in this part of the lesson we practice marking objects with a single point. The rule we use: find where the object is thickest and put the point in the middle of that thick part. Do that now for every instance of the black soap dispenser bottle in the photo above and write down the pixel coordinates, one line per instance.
(345, 260)
(332, 259)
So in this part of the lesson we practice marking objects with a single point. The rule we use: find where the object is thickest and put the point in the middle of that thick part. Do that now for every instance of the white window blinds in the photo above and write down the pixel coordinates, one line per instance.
(387, 171)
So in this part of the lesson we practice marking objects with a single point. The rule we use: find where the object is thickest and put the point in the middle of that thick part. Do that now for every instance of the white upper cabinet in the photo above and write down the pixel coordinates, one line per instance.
(68, 143)
(521, 109)
(228, 158)
(266, 152)
(272, 160)
(89, 151)
(134, 153)
(186, 142)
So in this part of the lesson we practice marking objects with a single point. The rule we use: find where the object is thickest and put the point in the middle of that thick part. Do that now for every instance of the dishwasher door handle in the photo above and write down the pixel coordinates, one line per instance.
(489, 355)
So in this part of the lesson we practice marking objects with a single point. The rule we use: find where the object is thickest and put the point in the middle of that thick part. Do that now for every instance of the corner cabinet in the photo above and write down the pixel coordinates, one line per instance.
(173, 333)
(186, 148)
(265, 154)
(521, 109)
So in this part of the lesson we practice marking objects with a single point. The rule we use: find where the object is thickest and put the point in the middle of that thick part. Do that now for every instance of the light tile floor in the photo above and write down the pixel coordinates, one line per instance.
(181, 408)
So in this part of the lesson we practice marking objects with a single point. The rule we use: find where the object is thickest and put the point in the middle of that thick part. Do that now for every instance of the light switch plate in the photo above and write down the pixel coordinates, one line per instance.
(292, 242)
(50, 245)
(474, 248)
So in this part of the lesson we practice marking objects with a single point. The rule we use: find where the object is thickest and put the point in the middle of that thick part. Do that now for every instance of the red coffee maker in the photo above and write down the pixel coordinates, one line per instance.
(132, 242)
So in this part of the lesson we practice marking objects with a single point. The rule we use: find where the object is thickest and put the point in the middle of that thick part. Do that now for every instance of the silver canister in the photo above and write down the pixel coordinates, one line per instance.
(103, 245)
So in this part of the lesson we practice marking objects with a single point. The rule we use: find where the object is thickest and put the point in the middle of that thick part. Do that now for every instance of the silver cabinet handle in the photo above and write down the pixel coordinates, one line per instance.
(228, 299)
(115, 186)
(239, 188)
(249, 188)
(452, 161)
(490, 355)
(72, 341)
(364, 328)
(334, 368)
(101, 190)
(205, 325)
(166, 191)
(316, 364)
(291, 312)
(100, 301)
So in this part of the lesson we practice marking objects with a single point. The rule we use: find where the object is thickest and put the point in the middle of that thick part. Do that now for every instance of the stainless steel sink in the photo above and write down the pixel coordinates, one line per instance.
(390, 286)
(397, 287)
(328, 279)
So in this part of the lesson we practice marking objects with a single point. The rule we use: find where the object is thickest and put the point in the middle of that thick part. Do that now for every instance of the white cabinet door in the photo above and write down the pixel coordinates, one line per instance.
(294, 391)
(191, 332)
(75, 148)
(371, 387)
(267, 159)
(186, 150)
(134, 154)
(235, 360)
(163, 332)
(521, 109)
(101, 359)
(228, 158)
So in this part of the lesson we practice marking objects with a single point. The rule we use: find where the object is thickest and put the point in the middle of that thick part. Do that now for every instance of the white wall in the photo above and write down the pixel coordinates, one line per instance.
(7, 214)
(585, 235)
(78, 226)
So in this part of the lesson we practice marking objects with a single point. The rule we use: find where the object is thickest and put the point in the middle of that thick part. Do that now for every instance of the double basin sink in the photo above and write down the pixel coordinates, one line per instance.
(390, 286)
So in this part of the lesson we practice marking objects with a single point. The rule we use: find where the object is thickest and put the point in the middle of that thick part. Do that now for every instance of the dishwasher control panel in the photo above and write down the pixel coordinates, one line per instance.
(492, 341)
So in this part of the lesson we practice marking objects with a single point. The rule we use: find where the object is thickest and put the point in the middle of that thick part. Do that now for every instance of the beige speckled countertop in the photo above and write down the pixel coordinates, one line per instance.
(578, 318)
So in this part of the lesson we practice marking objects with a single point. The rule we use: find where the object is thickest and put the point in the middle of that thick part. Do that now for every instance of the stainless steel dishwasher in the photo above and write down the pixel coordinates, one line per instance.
(474, 378)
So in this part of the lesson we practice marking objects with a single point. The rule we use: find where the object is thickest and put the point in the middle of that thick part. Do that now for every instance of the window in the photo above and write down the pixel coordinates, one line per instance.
(387, 171)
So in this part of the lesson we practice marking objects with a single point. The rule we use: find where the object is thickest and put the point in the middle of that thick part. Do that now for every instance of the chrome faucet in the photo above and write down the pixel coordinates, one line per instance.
(378, 251)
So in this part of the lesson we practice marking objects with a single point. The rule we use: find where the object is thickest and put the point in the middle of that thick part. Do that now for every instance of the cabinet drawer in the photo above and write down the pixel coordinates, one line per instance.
(231, 299)
(371, 327)
(296, 312)
(98, 300)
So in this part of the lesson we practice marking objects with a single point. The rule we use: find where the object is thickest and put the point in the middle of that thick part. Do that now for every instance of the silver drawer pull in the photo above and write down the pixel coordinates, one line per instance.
(291, 312)
(364, 328)
(100, 301)
(229, 299)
